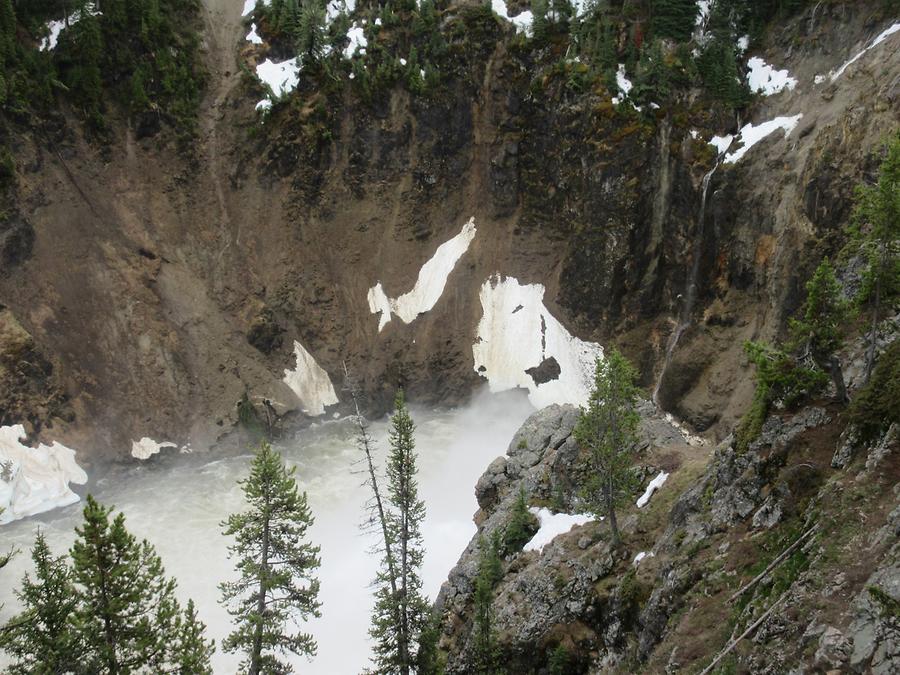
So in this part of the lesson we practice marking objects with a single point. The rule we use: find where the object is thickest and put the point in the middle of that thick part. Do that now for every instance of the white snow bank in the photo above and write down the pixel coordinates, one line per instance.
(751, 135)
(643, 554)
(250, 5)
(429, 285)
(147, 447)
(357, 41)
(517, 333)
(57, 27)
(552, 525)
(282, 77)
(654, 485)
(877, 41)
(522, 21)
(764, 79)
(253, 37)
(337, 7)
(722, 143)
(625, 86)
(689, 438)
(310, 383)
(34, 480)
(264, 106)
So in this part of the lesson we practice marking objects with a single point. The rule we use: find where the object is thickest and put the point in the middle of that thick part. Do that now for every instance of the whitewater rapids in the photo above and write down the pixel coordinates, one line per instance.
(179, 506)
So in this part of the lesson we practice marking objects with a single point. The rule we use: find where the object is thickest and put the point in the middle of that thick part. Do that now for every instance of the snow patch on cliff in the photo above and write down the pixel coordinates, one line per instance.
(430, 283)
(55, 28)
(34, 480)
(253, 37)
(282, 78)
(877, 41)
(553, 525)
(764, 79)
(654, 485)
(147, 447)
(310, 383)
(358, 41)
(517, 333)
(522, 21)
(750, 135)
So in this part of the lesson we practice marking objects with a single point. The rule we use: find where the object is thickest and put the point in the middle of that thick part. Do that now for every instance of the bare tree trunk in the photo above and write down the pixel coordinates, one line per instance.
(611, 510)
(837, 376)
(873, 335)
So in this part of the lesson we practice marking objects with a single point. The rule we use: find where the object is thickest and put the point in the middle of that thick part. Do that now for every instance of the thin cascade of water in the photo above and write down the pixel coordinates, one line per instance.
(690, 291)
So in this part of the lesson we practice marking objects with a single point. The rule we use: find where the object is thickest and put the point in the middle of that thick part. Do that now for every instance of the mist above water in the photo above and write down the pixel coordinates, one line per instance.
(179, 508)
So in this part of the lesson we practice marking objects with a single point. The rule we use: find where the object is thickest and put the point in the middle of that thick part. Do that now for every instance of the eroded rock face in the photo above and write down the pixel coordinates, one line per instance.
(549, 597)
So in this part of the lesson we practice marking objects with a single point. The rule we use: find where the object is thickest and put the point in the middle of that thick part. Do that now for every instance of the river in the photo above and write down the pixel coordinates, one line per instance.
(178, 506)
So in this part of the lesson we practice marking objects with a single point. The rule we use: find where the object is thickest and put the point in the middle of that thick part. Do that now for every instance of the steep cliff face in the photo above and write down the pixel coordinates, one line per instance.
(163, 288)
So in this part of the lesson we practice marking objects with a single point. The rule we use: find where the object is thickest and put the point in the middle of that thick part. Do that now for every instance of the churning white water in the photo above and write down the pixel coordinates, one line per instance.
(178, 508)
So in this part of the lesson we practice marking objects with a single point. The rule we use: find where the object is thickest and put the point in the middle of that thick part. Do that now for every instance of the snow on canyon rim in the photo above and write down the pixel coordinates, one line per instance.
(179, 504)
(519, 343)
(429, 285)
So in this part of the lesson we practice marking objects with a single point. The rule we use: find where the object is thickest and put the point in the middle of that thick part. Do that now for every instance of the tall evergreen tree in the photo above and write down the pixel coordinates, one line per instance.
(276, 563)
(877, 219)
(607, 428)
(673, 19)
(40, 639)
(817, 335)
(190, 651)
(126, 615)
(401, 610)
(485, 650)
(309, 30)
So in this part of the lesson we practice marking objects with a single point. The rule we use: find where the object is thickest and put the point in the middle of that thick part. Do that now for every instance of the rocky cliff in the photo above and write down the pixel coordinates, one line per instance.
(160, 287)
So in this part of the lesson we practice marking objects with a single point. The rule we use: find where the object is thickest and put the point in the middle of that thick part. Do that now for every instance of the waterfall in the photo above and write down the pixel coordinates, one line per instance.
(690, 290)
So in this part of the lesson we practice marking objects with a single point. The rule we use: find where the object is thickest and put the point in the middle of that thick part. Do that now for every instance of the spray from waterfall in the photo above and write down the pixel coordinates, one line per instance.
(690, 291)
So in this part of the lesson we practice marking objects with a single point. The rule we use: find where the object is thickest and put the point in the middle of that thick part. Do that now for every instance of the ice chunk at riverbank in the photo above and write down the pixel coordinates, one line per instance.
(553, 525)
(429, 285)
(519, 343)
(654, 485)
(147, 447)
(34, 480)
(310, 383)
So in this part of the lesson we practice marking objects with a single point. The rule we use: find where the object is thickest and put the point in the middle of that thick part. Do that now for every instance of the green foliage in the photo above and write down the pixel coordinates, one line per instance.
(608, 428)
(39, 640)
(779, 378)
(486, 654)
(127, 610)
(521, 526)
(111, 611)
(401, 617)
(819, 332)
(560, 661)
(309, 30)
(276, 565)
(877, 405)
(875, 233)
(673, 19)
(540, 24)
(718, 68)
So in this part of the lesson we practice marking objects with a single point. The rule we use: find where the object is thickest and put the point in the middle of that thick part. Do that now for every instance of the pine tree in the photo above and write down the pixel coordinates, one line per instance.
(126, 614)
(485, 650)
(401, 611)
(540, 25)
(276, 565)
(309, 30)
(608, 429)
(521, 526)
(877, 223)
(190, 651)
(818, 334)
(673, 19)
(40, 639)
